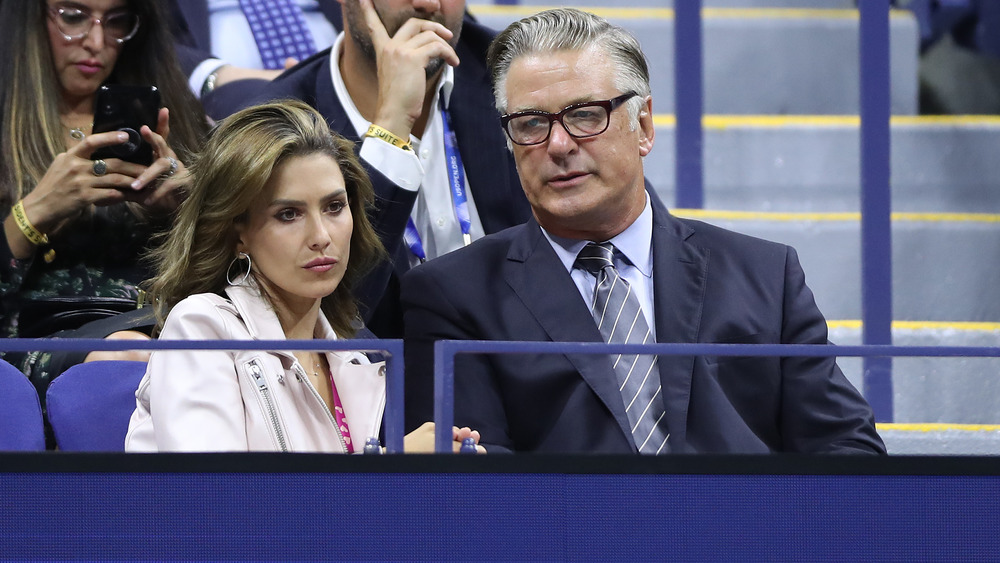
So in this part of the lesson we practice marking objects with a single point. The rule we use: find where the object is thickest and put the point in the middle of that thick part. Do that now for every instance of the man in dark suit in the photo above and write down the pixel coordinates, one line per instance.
(578, 111)
(411, 73)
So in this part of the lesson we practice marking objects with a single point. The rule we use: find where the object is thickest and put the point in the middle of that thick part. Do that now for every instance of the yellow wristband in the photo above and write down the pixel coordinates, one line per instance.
(387, 136)
(34, 235)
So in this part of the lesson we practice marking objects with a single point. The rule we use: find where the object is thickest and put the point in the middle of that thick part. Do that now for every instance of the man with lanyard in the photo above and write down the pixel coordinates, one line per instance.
(408, 79)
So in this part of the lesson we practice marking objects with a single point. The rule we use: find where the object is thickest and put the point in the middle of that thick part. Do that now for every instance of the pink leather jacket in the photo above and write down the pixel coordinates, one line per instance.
(253, 400)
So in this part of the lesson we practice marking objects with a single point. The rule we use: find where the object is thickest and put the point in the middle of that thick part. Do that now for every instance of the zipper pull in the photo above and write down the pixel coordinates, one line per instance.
(257, 373)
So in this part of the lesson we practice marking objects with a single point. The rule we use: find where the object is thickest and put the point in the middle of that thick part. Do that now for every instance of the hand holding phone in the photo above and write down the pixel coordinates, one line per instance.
(126, 108)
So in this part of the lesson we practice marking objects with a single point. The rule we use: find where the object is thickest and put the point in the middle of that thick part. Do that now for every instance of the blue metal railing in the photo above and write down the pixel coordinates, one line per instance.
(876, 205)
(876, 202)
(393, 350)
(445, 351)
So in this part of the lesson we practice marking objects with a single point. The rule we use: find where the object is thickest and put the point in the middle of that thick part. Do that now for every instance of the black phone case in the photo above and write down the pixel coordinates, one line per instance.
(126, 108)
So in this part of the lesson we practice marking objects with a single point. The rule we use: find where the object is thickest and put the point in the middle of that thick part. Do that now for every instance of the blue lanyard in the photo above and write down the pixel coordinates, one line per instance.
(456, 178)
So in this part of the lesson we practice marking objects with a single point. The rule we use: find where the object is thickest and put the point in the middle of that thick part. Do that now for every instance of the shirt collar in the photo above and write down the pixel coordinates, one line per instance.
(446, 83)
(635, 243)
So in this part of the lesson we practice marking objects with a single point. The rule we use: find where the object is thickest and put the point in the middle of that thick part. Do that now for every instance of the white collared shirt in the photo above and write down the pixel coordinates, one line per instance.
(635, 243)
(424, 170)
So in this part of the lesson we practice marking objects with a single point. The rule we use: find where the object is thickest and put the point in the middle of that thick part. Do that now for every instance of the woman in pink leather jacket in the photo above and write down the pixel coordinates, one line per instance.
(269, 245)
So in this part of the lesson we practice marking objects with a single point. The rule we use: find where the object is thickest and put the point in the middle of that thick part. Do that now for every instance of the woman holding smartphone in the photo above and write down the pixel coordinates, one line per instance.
(270, 245)
(74, 227)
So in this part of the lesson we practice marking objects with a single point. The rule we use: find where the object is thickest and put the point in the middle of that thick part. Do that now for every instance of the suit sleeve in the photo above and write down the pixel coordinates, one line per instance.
(188, 52)
(195, 399)
(431, 314)
(388, 217)
(821, 411)
(190, 57)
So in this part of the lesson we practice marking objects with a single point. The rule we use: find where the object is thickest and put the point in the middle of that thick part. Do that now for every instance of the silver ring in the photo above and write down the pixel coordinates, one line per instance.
(173, 167)
(100, 168)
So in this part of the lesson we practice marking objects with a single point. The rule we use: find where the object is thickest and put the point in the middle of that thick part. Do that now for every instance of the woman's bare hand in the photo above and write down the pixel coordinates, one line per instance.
(421, 440)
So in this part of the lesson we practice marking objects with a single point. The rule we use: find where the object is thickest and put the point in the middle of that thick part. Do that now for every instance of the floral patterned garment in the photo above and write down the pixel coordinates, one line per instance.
(100, 256)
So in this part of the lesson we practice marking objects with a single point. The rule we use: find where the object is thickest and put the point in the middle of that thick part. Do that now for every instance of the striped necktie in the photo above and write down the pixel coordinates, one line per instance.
(619, 317)
(280, 30)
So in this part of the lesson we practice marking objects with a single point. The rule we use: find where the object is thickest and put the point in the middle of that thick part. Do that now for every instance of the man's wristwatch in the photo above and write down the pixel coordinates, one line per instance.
(209, 84)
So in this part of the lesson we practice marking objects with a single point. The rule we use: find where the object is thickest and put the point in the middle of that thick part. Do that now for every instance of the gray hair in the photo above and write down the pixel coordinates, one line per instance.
(569, 29)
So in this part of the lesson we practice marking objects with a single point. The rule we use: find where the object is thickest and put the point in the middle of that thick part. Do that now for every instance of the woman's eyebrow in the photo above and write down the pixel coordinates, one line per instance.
(297, 202)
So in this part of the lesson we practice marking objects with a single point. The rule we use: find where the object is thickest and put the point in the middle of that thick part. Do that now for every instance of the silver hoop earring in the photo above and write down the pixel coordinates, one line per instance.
(229, 272)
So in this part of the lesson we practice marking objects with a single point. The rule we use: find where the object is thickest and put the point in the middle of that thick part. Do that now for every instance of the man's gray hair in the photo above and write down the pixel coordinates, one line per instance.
(569, 29)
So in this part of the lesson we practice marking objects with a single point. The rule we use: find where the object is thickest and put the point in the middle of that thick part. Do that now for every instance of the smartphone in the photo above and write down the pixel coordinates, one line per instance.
(126, 108)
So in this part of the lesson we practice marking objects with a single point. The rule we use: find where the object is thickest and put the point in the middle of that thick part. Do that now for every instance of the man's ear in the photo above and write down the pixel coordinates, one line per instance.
(646, 130)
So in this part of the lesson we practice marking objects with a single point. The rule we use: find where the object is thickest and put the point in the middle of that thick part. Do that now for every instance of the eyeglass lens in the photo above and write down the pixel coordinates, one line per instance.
(581, 121)
(76, 23)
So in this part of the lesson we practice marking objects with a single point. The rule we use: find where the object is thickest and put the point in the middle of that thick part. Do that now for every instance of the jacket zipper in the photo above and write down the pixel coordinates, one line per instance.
(333, 419)
(253, 366)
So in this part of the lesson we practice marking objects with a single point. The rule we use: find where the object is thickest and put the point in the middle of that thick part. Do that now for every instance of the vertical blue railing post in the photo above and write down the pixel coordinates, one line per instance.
(876, 202)
(688, 105)
(394, 396)
(444, 394)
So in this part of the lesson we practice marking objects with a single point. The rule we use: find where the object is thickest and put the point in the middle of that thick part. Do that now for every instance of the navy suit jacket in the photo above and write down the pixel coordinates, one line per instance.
(711, 285)
(489, 165)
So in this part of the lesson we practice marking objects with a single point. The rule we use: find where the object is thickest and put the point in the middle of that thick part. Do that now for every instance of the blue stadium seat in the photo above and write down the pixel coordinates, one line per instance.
(21, 424)
(90, 404)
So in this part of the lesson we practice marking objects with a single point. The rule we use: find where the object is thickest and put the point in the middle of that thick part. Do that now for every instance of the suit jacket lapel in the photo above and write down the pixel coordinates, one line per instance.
(679, 274)
(539, 279)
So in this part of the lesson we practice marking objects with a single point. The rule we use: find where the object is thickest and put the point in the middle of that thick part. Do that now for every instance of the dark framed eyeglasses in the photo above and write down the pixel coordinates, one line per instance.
(75, 23)
(585, 119)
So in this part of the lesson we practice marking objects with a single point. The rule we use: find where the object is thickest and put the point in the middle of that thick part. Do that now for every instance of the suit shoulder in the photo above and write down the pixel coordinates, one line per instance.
(722, 240)
(298, 82)
(476, 37)
(476, 258)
